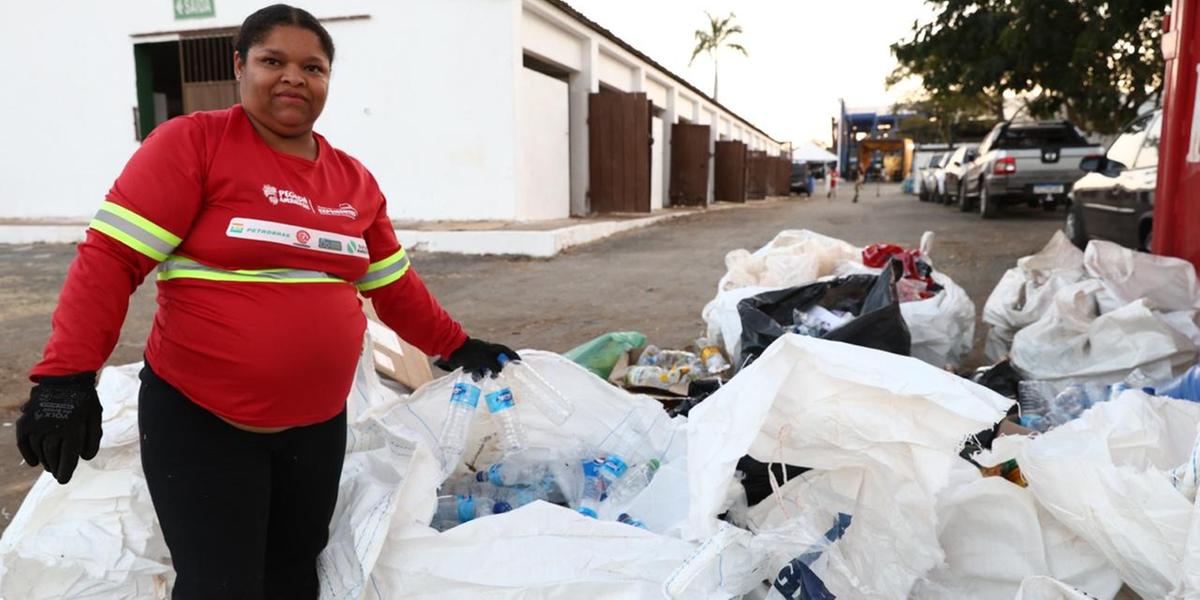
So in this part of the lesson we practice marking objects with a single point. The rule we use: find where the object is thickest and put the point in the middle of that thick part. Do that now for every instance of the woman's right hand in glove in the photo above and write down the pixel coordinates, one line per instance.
(60, 424)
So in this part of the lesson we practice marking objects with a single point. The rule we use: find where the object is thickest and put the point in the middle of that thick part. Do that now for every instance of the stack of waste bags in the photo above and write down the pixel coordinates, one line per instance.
(1067, 317)
(939, 315)
(886, 507)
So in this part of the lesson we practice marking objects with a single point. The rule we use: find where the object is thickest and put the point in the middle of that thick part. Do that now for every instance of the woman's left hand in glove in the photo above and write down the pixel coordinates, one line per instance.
(479, 358)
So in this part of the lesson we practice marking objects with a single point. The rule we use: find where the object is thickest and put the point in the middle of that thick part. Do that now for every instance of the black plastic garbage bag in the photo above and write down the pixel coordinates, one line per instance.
(871, 298)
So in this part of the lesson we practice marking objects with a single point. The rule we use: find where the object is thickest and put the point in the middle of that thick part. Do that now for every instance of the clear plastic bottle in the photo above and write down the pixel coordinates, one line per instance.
(628, 520)
(633, 482)
(452, 442)
(530, 386)
(516, 472)
(593, 488)
(710, 353)
(506, 499)
(500, 403)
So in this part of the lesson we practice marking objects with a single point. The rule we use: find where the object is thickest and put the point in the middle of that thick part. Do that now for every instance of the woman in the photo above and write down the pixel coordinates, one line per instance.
(262, 235)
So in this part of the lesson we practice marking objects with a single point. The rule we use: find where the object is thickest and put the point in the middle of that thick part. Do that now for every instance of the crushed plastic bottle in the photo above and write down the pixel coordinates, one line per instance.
(628, 520)
(633, 482)
(593, 488)
(710, 355)
(656, 377)
(503, 408)
(464, 397)
(528, 385)
(514, 473)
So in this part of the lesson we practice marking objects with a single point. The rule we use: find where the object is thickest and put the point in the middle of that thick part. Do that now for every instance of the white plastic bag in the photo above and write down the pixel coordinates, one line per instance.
(880, 430)
(1169, 283)
(1047, 588)
(1103, 476)
(942, 327)
(1072, 342)
(1026, 292)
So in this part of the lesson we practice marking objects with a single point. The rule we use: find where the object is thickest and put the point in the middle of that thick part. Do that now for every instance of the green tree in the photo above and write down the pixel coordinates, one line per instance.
(1096, 61)
(712, 41)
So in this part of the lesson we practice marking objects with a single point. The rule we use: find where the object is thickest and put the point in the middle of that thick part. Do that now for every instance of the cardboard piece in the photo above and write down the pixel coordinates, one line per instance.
(395, 358)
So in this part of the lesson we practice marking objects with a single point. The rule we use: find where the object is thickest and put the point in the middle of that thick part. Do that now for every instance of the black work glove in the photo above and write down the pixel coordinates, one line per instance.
(60, 424)
(479, 358)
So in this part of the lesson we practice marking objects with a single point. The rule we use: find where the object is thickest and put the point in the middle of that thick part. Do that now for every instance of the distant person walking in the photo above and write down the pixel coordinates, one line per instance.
(831, 177)
(858, 183)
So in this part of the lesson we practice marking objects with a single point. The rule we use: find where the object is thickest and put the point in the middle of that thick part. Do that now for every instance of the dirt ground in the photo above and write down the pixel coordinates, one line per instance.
(654, 280)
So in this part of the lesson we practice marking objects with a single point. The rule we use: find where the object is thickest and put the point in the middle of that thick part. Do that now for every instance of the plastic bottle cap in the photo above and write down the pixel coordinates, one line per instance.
(654, 464)
(502, 359)
(587, 512)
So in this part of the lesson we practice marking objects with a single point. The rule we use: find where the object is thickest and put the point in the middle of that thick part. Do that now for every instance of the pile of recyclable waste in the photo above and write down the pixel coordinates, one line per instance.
(811, 458)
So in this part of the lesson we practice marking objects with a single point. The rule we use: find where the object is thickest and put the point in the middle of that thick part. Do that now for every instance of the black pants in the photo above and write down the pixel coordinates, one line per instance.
(245, 515)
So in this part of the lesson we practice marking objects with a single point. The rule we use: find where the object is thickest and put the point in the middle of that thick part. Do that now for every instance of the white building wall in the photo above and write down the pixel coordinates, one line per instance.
(544, 39)
(435, 119)
(414, 118)
(615, 73)
(544, 159)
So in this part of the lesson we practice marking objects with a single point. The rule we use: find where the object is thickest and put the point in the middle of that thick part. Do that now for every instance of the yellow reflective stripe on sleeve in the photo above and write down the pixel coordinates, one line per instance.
(384, 272)
(114, 232)
(134, 231)
(178, 267)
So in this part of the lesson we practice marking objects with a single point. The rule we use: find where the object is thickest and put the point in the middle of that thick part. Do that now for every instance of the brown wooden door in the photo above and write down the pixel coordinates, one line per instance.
(783, 176)
(206, 70)
(756, 175)
(771, 165)
(619, 140)
(689, 164)
(730, 179)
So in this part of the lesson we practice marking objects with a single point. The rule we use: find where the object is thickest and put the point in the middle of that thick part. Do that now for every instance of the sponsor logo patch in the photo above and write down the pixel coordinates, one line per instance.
(277, 196)
(297, 237)
(342, 210)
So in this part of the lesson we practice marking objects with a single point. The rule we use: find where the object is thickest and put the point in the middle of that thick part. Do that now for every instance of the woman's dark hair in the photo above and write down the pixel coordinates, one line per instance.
(258, 26)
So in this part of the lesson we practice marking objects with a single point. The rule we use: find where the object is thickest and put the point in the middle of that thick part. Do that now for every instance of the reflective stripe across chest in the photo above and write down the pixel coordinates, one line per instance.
(305, 238)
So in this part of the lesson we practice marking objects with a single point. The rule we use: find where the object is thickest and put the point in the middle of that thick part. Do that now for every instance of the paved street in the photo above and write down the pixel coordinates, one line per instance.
(654, 280)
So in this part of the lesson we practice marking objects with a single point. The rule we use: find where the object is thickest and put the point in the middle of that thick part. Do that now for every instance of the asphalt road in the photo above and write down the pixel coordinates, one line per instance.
(654, 280)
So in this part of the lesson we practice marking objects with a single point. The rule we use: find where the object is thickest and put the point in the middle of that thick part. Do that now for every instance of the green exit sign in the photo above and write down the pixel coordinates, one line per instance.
(194, 9)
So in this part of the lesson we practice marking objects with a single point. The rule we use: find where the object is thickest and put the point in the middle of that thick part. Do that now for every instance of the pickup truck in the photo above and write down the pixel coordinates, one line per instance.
(1030, 162)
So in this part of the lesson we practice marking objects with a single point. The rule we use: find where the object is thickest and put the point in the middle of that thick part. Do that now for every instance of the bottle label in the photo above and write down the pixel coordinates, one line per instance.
(615, 466)
(495, 476)
(499, 400)
(465, 393)
(587, 512)
(466, 508)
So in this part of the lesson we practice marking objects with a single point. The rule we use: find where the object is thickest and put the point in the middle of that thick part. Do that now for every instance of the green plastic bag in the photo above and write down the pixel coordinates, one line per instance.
(601, 354)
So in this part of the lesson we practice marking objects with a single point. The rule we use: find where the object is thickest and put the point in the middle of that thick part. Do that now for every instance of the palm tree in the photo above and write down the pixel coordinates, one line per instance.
(717, 37)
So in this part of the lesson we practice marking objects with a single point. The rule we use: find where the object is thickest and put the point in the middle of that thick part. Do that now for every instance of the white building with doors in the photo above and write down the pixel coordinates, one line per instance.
(463, 109)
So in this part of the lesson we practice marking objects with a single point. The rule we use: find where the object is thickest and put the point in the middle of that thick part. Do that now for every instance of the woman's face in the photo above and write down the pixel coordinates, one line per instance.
(284, 80)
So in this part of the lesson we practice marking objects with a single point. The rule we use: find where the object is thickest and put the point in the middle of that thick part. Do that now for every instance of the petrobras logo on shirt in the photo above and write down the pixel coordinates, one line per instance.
(343, 210)
(277, 196)
(236, 227)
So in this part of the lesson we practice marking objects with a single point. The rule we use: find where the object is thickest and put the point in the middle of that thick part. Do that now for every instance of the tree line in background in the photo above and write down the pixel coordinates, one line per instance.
(1094, 62)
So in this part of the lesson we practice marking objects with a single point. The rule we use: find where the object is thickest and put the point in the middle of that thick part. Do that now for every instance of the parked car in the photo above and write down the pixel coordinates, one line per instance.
(1030, 162)
(1114, 201)
(799, 179)
(953, 173)
(933, 178)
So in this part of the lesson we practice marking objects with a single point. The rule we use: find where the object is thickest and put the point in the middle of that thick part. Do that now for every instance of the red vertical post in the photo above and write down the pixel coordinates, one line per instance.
(1177, 195)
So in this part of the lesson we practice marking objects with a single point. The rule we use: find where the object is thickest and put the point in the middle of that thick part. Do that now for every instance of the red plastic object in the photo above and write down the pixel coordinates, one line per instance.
(1177, 196)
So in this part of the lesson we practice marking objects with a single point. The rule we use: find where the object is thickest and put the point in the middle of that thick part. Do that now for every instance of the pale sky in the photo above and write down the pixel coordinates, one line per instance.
(804, 54)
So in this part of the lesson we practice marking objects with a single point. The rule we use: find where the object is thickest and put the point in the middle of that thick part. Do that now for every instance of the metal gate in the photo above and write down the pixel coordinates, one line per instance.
(730, 180)
(619, 141)
(689, 164)
(206, 67)
(756, 175)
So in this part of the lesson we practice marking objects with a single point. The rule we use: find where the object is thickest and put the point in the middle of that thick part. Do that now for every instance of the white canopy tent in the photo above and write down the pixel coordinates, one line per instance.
(810, 152)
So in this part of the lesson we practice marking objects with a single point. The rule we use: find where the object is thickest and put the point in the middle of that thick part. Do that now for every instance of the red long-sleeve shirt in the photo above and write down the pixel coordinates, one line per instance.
(260, 257)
